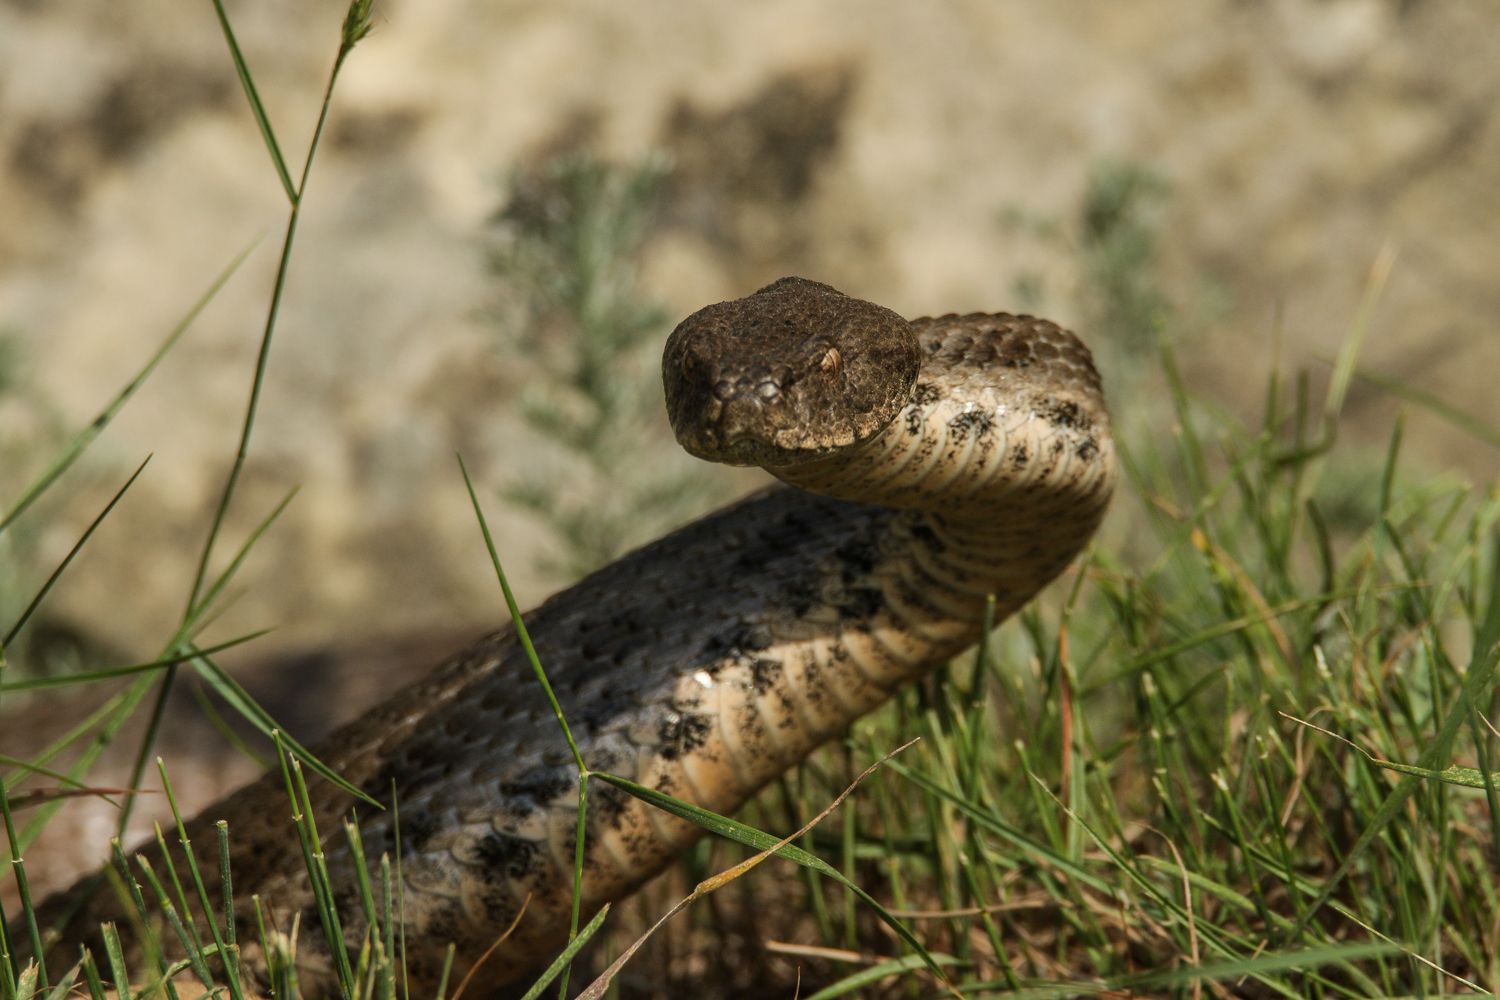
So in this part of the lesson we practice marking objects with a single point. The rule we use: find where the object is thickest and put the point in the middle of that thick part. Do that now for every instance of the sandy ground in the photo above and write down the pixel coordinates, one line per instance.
(878, 146)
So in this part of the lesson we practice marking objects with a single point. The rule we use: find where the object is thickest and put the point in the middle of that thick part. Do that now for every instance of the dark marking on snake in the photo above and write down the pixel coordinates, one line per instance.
(512, 855)
(682, 734)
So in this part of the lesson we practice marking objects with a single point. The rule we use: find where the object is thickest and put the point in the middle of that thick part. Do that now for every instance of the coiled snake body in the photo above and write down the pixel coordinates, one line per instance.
(939, 461)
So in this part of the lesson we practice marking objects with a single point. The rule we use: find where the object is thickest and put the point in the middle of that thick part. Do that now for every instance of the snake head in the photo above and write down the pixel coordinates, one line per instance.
(787, 375)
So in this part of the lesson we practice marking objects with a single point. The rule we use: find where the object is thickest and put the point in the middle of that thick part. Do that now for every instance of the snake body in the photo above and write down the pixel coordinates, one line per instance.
(937, 461)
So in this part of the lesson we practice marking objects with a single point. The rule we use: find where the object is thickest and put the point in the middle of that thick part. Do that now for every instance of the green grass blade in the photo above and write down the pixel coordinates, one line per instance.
(217, 587)
(1477, 681)
(1038, 852)
(442, 989)
(186, 936)
(137, 896)
(1466, 777)
(1349, 351)
(874, 974)
(729, 829)
(362, 879)
(91, 976)
(226, 883)
(315, 862)
(86, 437)
(23, 889)
(519, 620)
(226, 956)
(179, 644)
(46, 587)
(112, 673)
(65, 985)
(238, 698)
(1462, 419)
(355, 27)
(565, 959)
(399, 946)
(258, 109)
(8, 987)
(116, 955)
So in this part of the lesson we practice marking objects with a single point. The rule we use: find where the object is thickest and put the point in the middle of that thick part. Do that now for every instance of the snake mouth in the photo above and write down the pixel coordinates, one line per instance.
(757, 422)
(742, 429)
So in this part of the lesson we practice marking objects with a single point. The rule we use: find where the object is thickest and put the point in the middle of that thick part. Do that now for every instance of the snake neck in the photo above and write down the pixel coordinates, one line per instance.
(989, 482)
(1003, 459)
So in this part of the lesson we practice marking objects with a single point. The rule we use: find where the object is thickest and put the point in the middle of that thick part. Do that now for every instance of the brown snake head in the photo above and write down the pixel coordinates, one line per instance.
(786, 375)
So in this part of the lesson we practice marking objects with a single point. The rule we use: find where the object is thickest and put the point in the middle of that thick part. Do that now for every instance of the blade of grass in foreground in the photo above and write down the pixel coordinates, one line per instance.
(238, 698)
(740, 832)
(23, 889)
(1261, 965)
(519, 622)
(1040, 853)
(146, 933)
(566, 958)
(317, 869)
(252, 94)
(46, 587)
(356, 26)
(8, 988)
(1465, 777)
(1476, 681)
(874, 974)
(93, 983)
(765, 842)
(228, 958)
(86, 437)
(110, 673)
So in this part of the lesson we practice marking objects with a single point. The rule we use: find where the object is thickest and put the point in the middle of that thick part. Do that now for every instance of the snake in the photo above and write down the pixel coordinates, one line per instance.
(925, 467)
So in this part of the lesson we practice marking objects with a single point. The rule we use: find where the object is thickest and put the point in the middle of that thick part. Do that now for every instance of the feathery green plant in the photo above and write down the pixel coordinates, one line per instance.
(566, 243)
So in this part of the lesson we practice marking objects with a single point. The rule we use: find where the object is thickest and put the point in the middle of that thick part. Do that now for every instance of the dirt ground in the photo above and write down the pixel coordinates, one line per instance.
(886, 148)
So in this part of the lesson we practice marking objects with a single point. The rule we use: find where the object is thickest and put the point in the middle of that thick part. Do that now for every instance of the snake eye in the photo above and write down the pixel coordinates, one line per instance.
(832, 362)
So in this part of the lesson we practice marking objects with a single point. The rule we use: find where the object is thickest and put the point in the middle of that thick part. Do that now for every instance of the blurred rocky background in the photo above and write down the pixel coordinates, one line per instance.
(516, 200)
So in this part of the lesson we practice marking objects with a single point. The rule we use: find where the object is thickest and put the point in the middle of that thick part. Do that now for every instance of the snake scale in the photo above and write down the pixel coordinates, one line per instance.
(937, 461)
